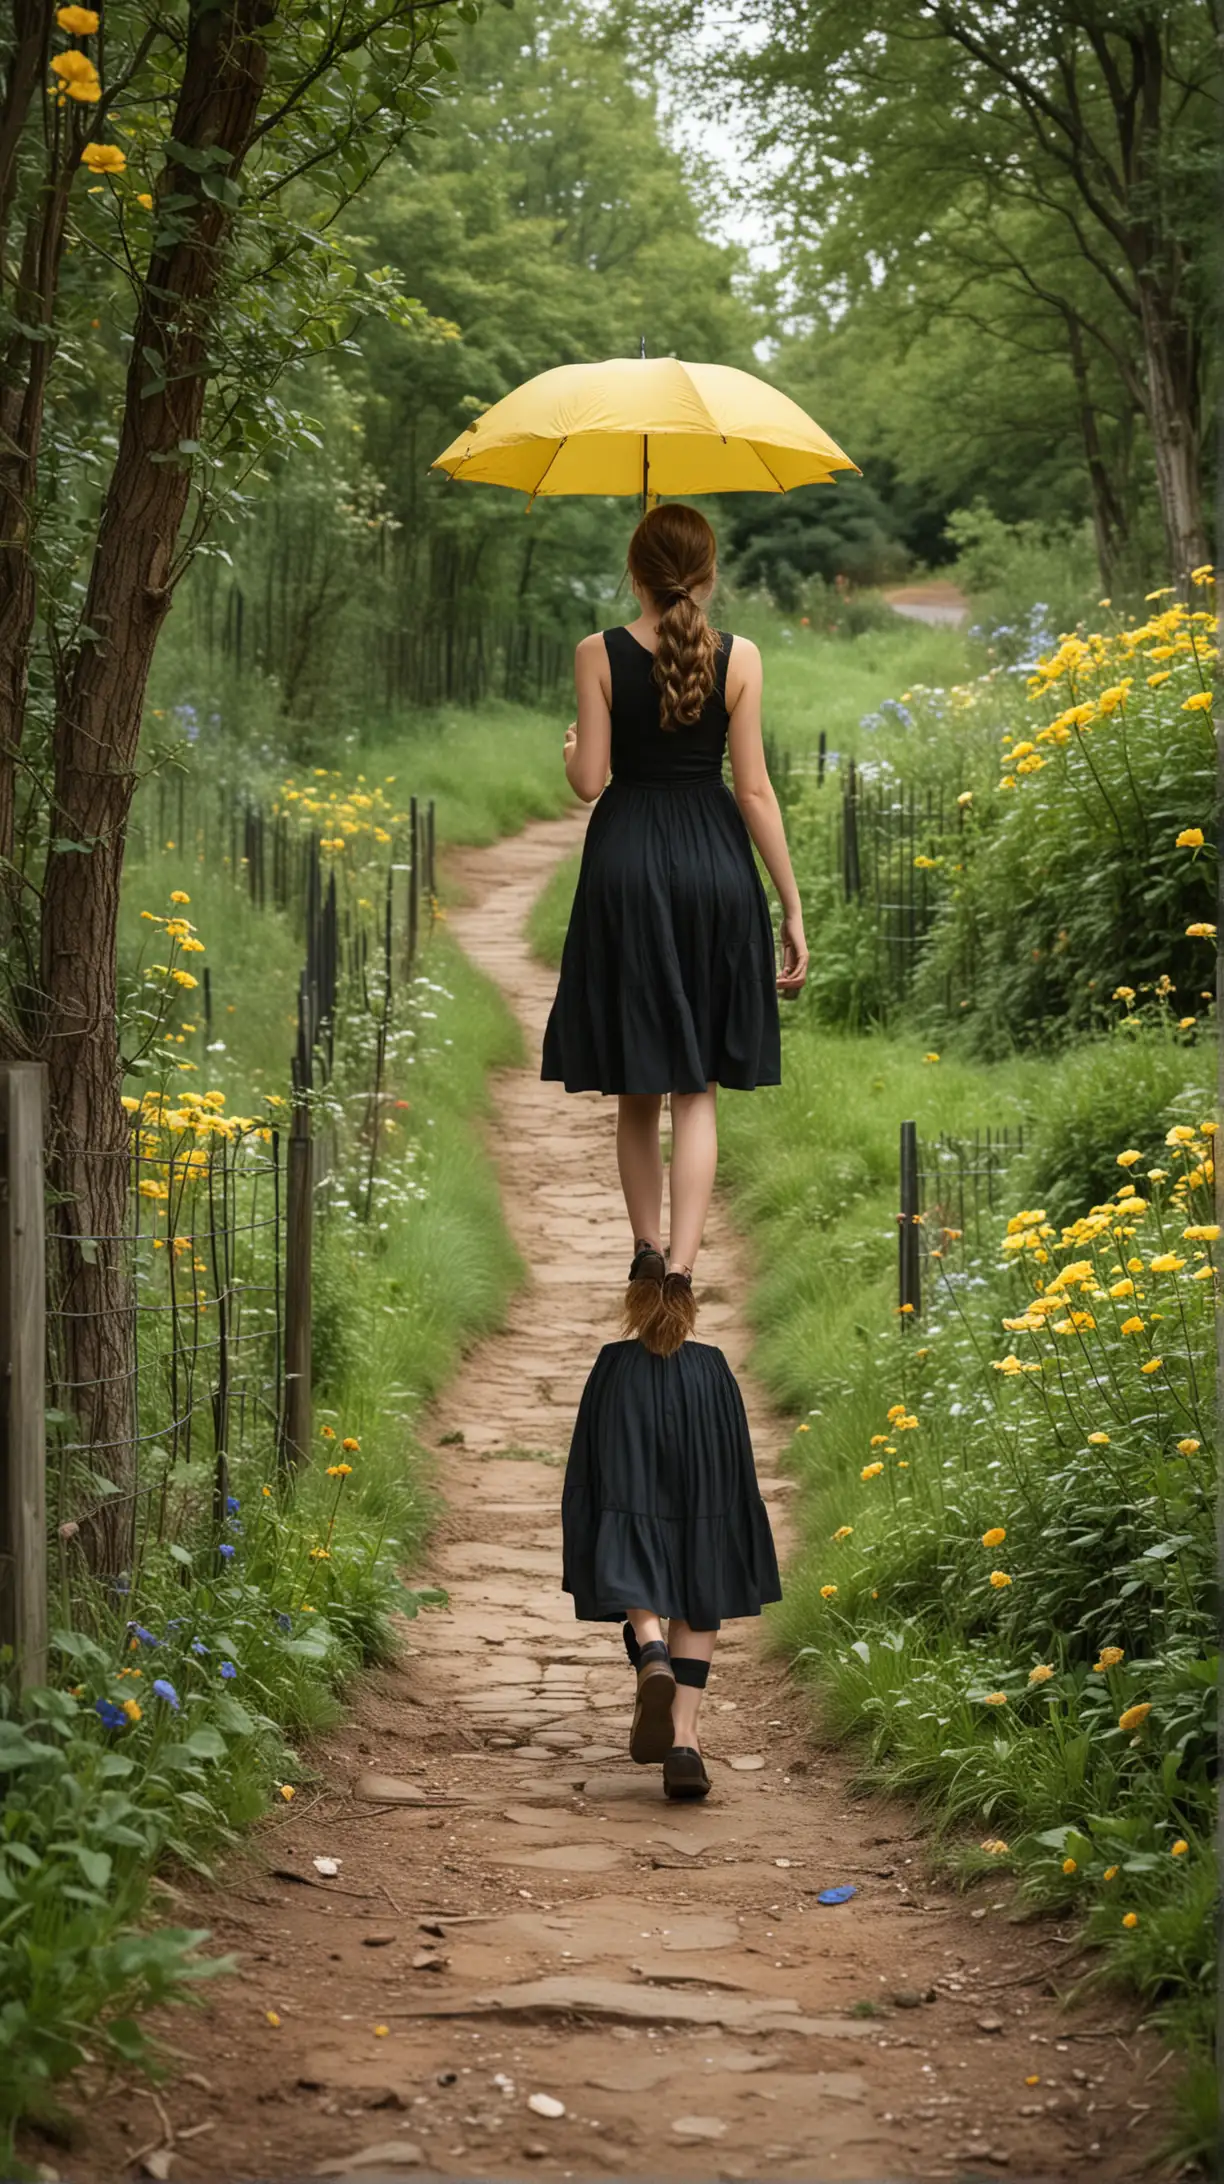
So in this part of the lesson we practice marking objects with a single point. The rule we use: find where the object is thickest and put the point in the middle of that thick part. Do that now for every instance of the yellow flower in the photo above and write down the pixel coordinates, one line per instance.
(143, 198)
(1124, 993)
(1128, 1159)
(1188, 1448)
(1153, 1365)
(1180, 1847)
(895, 1411)
(192, 947)
(272, 2018)
(103, 159)
(879, 1440)
(1167, 1263)
(1132, 1326)
(1203, 574)
(320, 1554)
(1201, 931)
(1199, 703)
(131, 1709)
(1069, 1866)
(1098, 1440)
(1124, 1288)
(327, 1433)
(1041, 1674)
(995, 1845)
(338, 1471)
(1190, 838)
(1203, 1232)
(1110, 1873)
(930, 1057)
(999, 1579)
(350, 1444)
(288, 1792)
(78, 22)
(995, 1698)
(965, 797)
(1109, 1658)
(803, 1429)
(1131, 1919)
(827, 1591)
(1161, 676)
(75, 68)
(844, 1530)
(994, 1537)
(1135, 1716)
(184, 979)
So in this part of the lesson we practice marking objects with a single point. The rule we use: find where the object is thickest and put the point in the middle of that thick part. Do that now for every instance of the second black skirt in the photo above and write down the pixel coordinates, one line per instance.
(668, 979)
(661, 1507)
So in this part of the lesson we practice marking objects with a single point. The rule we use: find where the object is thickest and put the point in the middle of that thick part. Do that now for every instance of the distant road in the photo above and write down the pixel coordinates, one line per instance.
(936, 601)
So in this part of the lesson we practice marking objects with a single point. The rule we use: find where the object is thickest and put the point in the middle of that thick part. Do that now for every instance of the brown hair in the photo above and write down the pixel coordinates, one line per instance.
(672, 555)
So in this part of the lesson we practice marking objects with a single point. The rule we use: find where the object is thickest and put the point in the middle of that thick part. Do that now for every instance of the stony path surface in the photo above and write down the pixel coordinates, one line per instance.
(532, 1919)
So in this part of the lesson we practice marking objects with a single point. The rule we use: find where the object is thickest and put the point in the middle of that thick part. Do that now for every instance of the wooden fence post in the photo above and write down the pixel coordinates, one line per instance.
(299, 1239)
(909, 1289)
(23, 1363)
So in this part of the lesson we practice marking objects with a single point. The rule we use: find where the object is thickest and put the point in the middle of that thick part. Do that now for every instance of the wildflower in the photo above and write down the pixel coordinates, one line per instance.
(1109, 1658)
(827, 1591)
(1190, 838)
(803, 1429)
(350, 1445)
(232, 1504)
(192, 947)
(272, 2018)
(320, 1554)
(1124, 1288)
(342, 1471)
(287, 1792)
(1167, 1263)
(1124, 993)
(141, 1636)
(164, 1689)
(103, 159)
(1203, 574)
(1000, 1580)
(132, 1710)
(1188, 1448)
(1128, 1159)
(266, 1491)
(228, 1671)
(1041, 1674)
(143, 198)
(895, 1411)
(1201, 931)
(328, 1433)
(1110, 1873)
(907, 1424)
(844, 1530)
(994, 1537)
(1131, 1919)
(179, 896)
(996, 1698)
(995, 1845)
(930, 1057)
(871, 1471)
(965, 797)
(1135, 1716)
(878, 1440)
(225, 1550)
(1179, 1848)
(77, 77)
(1098, 1440)
(1153, 1365)
(198, 1646)
(184, 979)
(1069, 1866)
(110, 1715)
(78, 22)
(1199, 703)
(1202, 1232)
(1133, 1326)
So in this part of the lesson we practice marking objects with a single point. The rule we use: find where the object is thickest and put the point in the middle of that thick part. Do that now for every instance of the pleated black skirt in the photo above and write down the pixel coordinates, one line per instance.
(668, 978)
(661, 1507)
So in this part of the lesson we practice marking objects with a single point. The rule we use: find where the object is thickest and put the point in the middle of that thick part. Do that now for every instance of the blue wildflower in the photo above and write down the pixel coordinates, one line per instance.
(198, 1646)
(110, 1715)
(228, 1670)
(145, 1636)
(233, 1504)
(285, 1621)
(225, 1549)
(164, 1689)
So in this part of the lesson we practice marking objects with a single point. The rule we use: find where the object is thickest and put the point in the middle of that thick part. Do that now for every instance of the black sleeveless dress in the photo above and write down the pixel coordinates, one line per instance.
(668, 976)
(661, 1507)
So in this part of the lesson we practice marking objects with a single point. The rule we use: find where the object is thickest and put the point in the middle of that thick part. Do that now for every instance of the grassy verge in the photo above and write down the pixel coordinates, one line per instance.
(182, 1688)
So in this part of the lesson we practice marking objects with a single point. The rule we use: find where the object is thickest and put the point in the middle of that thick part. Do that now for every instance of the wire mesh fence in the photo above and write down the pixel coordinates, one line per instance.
(951, 1193)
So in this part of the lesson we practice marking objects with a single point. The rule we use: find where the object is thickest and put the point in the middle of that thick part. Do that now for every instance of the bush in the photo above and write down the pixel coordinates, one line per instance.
(1111, 1093)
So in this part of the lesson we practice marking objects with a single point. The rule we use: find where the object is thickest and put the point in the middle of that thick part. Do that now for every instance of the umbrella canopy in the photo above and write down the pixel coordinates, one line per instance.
(645, 425)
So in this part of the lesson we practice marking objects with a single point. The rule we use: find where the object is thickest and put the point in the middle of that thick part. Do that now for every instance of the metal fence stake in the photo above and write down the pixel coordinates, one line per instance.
(909, 1291)
(23, 1352)
(294, 1445)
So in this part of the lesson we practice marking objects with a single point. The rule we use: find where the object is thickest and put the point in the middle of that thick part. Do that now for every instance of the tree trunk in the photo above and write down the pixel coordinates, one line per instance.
(96, 740)
(1108, 514)
(1171, 373)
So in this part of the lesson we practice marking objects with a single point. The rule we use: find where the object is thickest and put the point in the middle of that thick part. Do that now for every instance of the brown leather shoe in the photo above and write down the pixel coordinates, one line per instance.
(650, 1739)
(684, 1773)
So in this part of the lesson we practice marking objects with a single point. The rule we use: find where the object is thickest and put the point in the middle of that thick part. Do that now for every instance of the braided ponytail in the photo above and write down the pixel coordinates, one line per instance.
(672, 555)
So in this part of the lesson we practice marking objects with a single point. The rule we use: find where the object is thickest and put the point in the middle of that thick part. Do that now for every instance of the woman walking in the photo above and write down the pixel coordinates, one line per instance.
(662, 1519)
(668, 981)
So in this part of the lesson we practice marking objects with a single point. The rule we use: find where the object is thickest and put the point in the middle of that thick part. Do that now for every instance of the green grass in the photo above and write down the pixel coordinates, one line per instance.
(489, 771)
(546, 926)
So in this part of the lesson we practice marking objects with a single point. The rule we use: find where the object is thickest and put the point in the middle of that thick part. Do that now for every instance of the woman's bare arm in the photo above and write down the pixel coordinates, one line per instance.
(754, 793)
(588, 740)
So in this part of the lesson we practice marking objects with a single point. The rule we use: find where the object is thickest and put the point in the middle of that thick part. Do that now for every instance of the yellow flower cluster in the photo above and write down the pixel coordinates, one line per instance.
(344, 819)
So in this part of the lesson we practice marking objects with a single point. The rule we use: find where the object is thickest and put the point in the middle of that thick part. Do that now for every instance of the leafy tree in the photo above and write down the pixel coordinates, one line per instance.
(170, 187)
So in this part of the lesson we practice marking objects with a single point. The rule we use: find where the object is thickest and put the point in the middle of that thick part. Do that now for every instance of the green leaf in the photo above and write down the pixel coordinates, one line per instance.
(205, 1743)
(94, 1864)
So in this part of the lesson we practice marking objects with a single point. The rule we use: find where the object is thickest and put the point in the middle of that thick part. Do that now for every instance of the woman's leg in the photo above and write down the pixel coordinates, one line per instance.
(639, 1157)
(685, 1644)
(645, 1624)
(694, 1163)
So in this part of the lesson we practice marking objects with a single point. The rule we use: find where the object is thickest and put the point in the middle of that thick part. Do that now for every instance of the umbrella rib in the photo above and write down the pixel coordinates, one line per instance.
(547, 467)
(767, 466)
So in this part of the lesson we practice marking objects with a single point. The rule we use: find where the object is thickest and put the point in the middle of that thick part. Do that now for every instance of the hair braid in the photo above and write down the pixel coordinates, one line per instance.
(671, 555)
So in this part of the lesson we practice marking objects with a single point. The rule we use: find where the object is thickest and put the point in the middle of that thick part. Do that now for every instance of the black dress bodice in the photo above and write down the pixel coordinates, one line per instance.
(645, 753)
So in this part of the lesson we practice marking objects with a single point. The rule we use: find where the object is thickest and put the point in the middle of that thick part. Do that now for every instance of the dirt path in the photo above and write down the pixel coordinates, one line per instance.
(935, 600)
(536, 1920)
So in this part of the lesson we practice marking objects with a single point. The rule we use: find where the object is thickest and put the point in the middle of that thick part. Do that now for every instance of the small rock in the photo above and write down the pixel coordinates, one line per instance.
(385, 1789)
(433, 1926)
(46, 2174)
(535, 2152)
(907, 1998)
(390, 2097)
(377, 1941)
(448, 2077)
(328, 1867)
(388, 2154)
(990, 2024)
(748, 1764)
(998, 2155)
(158, 2164)
(543, 2104)
(699, 2127)
(430, 1960)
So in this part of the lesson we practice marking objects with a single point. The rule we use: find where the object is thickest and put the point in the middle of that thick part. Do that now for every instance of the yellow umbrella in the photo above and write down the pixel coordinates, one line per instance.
(645, 425)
